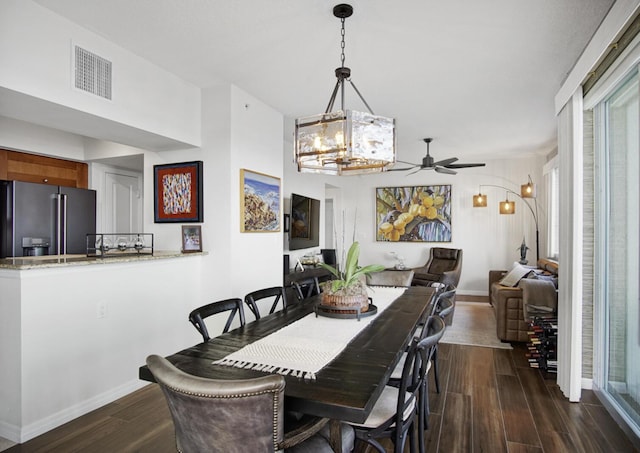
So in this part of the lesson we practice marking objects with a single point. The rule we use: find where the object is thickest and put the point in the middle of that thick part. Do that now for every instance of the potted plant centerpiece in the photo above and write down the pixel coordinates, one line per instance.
(348, 290)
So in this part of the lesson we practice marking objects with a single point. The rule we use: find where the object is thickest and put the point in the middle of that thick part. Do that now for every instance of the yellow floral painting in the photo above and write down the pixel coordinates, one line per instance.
(413, 214)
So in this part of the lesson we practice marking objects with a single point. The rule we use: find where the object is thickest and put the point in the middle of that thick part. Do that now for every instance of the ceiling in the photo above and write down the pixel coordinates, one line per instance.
(478, 76)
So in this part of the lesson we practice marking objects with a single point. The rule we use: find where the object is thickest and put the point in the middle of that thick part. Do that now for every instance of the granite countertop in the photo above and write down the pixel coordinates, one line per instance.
(41, 262)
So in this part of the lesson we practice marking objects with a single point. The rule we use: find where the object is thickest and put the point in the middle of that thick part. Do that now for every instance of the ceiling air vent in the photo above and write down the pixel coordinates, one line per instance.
(92, 73)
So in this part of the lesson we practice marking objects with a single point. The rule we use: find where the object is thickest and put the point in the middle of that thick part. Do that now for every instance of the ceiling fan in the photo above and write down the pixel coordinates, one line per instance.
(428, 163)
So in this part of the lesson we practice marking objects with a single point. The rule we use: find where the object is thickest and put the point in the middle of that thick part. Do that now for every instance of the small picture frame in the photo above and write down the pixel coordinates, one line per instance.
(191, 238)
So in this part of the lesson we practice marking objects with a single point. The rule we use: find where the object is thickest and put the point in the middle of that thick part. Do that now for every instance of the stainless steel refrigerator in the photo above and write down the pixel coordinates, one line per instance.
(42, 219)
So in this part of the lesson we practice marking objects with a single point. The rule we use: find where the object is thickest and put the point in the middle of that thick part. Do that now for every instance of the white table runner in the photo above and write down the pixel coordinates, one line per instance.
(306, 346)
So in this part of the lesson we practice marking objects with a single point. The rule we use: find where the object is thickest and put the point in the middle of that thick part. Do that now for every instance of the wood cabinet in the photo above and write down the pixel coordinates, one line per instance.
(16, 166)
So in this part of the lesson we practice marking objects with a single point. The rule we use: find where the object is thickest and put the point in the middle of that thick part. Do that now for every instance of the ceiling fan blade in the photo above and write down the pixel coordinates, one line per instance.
(464, 165)
(445, 170)
(413, 164)
(417, 170)
(400, 169)
(445, 162)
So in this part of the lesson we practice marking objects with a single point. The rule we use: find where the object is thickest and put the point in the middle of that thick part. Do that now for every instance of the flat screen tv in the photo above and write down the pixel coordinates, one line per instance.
(304, 227)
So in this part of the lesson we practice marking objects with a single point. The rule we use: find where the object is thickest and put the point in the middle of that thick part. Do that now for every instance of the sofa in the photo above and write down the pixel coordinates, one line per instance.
(521, 294)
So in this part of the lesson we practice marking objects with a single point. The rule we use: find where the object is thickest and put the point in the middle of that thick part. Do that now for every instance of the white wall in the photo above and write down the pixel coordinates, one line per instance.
(62, 359)
(36, 61)
(23, 136)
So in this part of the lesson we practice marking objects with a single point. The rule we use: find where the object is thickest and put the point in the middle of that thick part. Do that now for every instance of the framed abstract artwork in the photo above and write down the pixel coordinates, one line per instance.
(413, 214)
(259, 202)
(178, 192)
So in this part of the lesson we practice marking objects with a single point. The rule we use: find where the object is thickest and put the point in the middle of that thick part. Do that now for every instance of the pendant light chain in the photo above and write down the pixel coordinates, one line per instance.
(342, 45)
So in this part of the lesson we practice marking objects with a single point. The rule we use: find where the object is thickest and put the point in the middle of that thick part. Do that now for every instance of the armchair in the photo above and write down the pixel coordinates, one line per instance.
(444, 266)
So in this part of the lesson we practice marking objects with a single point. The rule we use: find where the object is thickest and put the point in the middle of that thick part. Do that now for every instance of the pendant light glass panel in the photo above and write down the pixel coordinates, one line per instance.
(344, 143)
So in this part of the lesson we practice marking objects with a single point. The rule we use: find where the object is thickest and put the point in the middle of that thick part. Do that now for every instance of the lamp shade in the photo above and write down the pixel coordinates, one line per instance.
(479, 200)
(344, 143)
(507, 207)
(528, 190)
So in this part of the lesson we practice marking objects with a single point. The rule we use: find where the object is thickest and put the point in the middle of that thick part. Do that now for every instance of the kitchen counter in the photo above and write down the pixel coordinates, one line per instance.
(41, 262)
(74, 330)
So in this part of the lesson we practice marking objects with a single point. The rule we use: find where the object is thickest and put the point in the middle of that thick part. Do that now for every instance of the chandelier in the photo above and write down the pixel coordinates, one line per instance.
(344, 142)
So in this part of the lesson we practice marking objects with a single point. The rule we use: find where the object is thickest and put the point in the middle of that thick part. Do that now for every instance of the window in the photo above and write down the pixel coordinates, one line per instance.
(551, 174)
(619, 244)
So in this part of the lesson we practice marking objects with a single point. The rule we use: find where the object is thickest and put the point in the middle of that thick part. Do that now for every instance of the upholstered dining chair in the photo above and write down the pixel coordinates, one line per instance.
(233, 306)
(232, 416)
(276, 294)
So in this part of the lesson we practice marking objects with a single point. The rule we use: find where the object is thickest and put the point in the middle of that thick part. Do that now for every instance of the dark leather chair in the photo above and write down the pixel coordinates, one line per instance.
(444, 266)
(232, 416)
(276, 293)
(233, 306)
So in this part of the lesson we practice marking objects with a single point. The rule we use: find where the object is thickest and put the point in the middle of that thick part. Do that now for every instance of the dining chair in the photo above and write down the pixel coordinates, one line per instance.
(394, 413)
(233, 306)
(232, 416)
(276, 293)
(427, 346)
(307, 287)
(433, 328)
(443, 308)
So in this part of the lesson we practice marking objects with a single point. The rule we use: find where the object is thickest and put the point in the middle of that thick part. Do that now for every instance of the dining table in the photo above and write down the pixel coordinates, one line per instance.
(345, 389)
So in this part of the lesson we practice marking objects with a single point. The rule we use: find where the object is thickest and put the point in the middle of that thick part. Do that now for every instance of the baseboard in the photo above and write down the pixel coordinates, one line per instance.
(9, 432)
(471, 298)
(466, 292)
(25, 433)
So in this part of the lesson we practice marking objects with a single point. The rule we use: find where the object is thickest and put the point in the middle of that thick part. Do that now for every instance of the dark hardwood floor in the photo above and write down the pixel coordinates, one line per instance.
(491, 401)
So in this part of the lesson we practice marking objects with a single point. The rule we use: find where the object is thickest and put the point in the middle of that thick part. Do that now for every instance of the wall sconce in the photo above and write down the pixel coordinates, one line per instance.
(509, 206)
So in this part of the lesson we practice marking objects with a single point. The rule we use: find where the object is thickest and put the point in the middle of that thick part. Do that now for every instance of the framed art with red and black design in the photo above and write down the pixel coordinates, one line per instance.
(178, 192)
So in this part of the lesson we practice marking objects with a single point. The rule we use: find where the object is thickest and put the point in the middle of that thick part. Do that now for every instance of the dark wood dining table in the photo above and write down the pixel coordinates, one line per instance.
(347, 388)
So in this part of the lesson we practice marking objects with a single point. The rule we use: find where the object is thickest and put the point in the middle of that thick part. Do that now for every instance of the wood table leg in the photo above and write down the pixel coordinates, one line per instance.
(335, 436)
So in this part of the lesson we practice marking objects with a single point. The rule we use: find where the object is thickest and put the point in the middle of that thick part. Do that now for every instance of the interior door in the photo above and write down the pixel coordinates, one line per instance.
(123, 202)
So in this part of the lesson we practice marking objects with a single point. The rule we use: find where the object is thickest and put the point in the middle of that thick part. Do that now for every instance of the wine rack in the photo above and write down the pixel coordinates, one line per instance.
(543, 340)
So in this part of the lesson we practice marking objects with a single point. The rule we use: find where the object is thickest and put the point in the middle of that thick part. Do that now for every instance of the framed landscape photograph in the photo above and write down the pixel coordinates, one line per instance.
(177, 191)
(413, 214)
(259, 202)
(191, 238)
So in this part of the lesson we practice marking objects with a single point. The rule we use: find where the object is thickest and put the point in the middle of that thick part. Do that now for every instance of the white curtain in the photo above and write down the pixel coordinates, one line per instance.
(570, 260)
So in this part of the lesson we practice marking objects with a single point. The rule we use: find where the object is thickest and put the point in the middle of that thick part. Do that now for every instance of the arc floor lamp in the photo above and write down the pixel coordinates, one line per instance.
(527, 191)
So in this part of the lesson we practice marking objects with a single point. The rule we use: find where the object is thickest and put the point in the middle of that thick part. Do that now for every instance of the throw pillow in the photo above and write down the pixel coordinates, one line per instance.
(514, 276)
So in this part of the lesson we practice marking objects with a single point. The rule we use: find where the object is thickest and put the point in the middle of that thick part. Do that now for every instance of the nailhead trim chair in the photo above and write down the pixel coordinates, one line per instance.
(230, 416)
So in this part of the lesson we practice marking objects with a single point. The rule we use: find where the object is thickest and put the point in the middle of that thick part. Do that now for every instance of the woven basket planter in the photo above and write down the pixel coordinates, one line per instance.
(346, 302)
